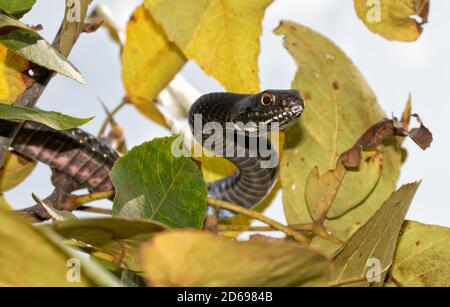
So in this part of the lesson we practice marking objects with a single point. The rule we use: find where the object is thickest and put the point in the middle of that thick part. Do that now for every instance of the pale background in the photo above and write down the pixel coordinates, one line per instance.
(392, 69)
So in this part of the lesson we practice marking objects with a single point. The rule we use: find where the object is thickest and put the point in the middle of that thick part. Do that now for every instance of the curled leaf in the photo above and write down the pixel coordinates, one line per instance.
(394, 19)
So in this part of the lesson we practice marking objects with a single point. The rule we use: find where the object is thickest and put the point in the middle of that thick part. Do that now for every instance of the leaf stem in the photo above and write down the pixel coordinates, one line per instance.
(260, 217)
(77, 201)
(94, 210)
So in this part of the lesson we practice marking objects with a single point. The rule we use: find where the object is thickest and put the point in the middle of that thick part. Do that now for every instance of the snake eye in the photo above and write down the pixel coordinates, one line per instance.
(267, 99)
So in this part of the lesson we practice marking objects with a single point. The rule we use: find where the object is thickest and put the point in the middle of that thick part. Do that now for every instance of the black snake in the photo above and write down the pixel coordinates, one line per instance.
(88, 160)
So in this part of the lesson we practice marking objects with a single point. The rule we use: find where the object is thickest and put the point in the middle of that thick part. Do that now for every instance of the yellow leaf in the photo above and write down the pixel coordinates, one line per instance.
(194, 258)
(4, 204)
(340, 107)
(13, 78)
(37, 257)
(422, 257)
(339, 190)
(149, 63)
(393, 19)
(16, 168)
(221, 36)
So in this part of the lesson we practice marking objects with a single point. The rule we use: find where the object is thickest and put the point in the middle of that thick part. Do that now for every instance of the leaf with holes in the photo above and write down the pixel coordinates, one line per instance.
(51, 119)
(151, 183)
(339, 109)
(422, 257)
(149, 62)
(193, 258)
(369, 252)
(221, 36)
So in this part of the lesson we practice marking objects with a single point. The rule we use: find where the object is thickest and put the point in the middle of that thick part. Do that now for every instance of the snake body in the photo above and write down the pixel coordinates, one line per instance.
(88, 160)
(244, 115)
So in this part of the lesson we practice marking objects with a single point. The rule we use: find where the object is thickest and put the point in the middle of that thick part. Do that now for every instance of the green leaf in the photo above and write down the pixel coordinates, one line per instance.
(151, 183)
(422, 257)
(221, 36)
(340, 107)
(51, 119)
(112, 239)
(374, 243)
(17, 8)
(33, 256)
(194, 258)
(25, 42)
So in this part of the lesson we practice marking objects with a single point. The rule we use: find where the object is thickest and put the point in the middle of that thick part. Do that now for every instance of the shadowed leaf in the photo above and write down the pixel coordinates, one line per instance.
(111, 239)
(15, 169)
(194, 258)
(37, 257)
(370, 250)
(422, 257)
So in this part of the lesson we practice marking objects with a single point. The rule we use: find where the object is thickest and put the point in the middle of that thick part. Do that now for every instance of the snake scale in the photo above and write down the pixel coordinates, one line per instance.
(88, 160)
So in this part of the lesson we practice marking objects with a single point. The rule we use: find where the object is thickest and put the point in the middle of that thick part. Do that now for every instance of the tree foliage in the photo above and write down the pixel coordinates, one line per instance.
(339, 168)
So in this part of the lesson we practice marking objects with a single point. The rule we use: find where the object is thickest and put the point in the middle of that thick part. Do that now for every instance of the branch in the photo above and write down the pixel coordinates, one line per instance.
(67, 33)
(220, 204)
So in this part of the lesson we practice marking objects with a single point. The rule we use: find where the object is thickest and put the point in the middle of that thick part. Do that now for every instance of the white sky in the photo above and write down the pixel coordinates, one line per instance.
(392, 69)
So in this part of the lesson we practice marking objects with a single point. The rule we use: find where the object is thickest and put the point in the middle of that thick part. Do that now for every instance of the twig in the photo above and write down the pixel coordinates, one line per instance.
(220, 204)
(311, 228)
(76, 201)
(67, 33)
(94, 210)
(110, 116)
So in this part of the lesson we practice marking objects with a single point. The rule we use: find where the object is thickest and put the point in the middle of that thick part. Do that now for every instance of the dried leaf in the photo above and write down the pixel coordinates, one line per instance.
(149, 62)
(422, 257)
(194, 258)
(394, 19)
(221, 36)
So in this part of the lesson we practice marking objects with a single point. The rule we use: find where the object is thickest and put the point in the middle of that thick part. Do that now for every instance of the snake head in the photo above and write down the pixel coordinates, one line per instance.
(281, 107)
